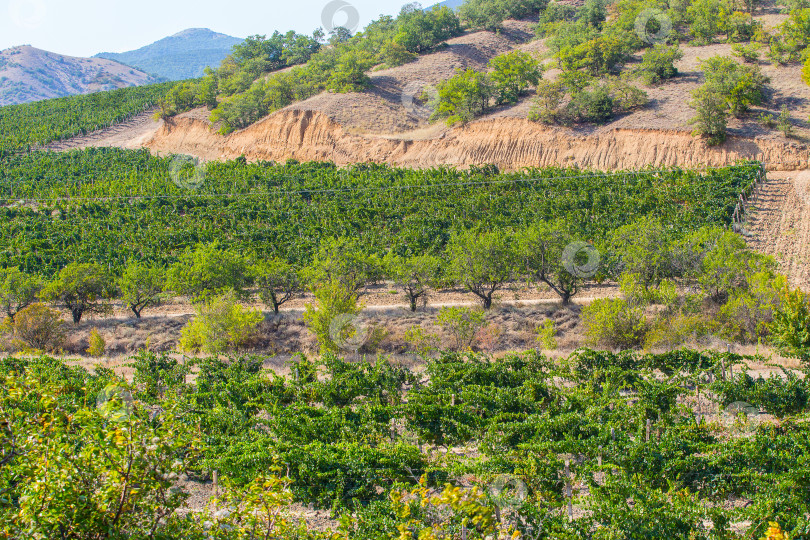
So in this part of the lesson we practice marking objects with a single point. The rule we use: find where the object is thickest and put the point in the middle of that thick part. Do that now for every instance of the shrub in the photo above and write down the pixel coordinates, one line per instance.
(740, 86)
(512, 75)
(422, 341)
(711, 116)
(614, 323)
(658, 63)
(806, 69)
(489, 14)
(741, 27)
(38, 327)
(220, 325)
(462, 324)
(463, 97)
(790, 330)
(747, 53)
(547, 106)
(783, 122)
(18, 290)
(97, 346)
(546, 335)
(707, 19)
(673, 331)
(330, 321)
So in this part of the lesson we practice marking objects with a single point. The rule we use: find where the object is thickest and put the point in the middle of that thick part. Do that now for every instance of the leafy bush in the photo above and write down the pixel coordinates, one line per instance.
(330, 321)
(512, 74)
(39, 328)
(590, 102)
(463, 97)
(547, 335)
(658, 63)
(741, 87)
(489, 14)
(97, 346)
(462, 324)
(747, 53)
(220, 325)
(790, 330)
(614, 323)
(668, 332)
(18, 290)
(783, 122)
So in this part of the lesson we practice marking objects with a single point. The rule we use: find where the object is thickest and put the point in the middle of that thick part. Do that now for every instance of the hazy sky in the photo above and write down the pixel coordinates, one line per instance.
(87, 27)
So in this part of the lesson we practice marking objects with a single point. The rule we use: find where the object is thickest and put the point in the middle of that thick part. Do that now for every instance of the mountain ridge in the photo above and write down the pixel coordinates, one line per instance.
(183, 55)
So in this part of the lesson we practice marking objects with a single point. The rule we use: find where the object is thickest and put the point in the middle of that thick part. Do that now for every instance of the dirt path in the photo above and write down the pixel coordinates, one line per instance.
(131, 134)
(780, 224)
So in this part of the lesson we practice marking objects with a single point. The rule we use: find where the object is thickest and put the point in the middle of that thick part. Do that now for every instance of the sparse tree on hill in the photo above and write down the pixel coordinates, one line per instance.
(276, 281)
(81, 289)
(413, 275)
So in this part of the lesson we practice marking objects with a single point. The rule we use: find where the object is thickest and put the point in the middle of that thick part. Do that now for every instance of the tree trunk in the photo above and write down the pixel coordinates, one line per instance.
(413, 300)
(487, 302)
(77, 315)
(136, 311)
(566, 298)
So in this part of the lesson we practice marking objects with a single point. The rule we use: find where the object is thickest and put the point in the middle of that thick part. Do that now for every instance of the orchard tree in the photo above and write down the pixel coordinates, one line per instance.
(342, 260)
(208, 271)
(512, 75)
(141, 287)
(81, 289)
(645, 252)
(413, 275)
(349, 75)
(276, 280)
(542, 258)
(482, 262)
(18, 290)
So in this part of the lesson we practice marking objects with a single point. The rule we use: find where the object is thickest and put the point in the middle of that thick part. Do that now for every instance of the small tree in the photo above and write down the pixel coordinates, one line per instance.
(658, 63)
(342, 260)
(81, 289)
(463, 97)
(541, 250)
(783, 122)
(208, 271)
(413, 275)
(806, 71)
(18, 290)
(277, 282)
(141, 287)
(711, 116)
(645, 251)
(512, 75)
(483, 262)
(221, 325)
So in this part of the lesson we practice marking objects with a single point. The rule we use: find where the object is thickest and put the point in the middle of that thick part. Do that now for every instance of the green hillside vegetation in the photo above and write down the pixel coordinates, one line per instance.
(23, 127)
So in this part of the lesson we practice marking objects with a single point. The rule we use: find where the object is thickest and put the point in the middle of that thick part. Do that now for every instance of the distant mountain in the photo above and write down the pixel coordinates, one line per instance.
(29, 74)
(182, 56)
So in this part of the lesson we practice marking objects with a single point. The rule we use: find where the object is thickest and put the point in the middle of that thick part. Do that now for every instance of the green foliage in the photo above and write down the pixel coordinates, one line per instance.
(462, 324)
(711, 116)
(414, 276)
(806, 71)
(783, 123)
(747, 53)
(330, 319)
(98, 346)
(482, 262)
(344, 261)
(463, 97)
(220, 325)
(141, 287)
(157, 376)
(349, 74)
(18, 290)
(740, 86)
(512, 74)
(707, 19)
(646, 251)
(38, 327)
(614, 323)
(658, 64)
(276, 281)
(208, 271)
(790, 330)
(420, 31)
(489, 14)
(23, 127)
(547, 335)
(597, 56)
(81, 289)
(590, 100)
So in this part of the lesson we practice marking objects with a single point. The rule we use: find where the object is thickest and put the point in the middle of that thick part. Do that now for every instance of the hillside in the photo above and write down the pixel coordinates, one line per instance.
(28, 74)
(181, 56)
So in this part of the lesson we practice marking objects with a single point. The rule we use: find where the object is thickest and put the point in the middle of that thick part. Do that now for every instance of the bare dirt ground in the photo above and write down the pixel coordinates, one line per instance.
(779, 224)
